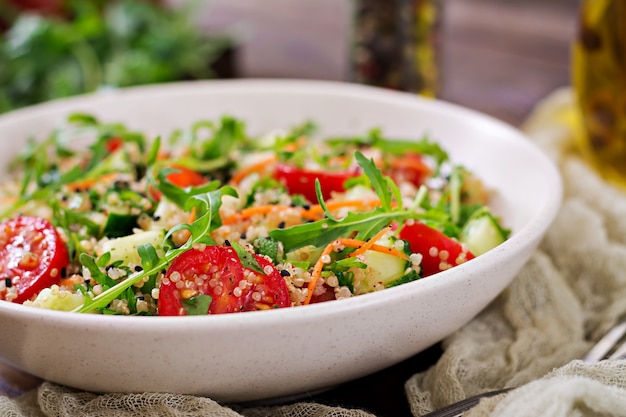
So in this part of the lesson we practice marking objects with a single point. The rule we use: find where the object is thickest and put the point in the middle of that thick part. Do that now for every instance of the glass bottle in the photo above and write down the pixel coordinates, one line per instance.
(599, 80)
(394, 45)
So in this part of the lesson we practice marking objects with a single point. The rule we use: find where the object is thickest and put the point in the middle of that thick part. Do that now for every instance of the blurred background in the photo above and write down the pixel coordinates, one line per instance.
(496, 56)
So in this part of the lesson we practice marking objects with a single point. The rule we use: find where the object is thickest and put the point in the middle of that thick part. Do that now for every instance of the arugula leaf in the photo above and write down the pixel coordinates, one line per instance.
(198, 305)
(247, 259)
(374, 138)
(149, 258)
(320, 199)
(377, 180)
(322, 232)
(364, 225)
(95, 271)
(180, 196)
(207, 208)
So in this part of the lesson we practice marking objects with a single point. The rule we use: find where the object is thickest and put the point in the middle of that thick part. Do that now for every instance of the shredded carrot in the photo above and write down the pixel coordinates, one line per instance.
(71, 281)
(367, 245)
(6, 200)
(192, 215)
(317, 272)
(251, 211)
(361, 246)
(334, 205)
(355, 243)
(256, 167)
(90, 182)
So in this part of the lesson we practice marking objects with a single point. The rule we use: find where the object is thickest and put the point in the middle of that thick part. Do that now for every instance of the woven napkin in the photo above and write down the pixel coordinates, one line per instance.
(570, 292)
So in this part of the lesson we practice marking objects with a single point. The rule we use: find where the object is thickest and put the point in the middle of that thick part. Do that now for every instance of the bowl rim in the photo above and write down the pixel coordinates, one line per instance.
(526, 235)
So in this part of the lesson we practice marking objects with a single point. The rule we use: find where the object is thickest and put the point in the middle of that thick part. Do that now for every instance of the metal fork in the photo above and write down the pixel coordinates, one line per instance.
(608, 347)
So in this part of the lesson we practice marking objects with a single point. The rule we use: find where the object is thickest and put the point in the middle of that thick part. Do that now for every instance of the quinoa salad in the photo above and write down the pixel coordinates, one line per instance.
(100, 218)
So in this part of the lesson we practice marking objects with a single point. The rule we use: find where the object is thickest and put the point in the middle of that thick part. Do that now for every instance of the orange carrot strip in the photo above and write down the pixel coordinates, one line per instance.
(251, 211)
(192, 215)
(9, 199)
(334, 205)
(317, 272)
(244, 172)
(90, 182)
(361, 247)
(354, 243)
(368, 245)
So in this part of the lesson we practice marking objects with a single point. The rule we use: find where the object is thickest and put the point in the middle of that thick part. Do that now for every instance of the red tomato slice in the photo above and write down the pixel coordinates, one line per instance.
(217, 271)
(300, 181)
(410, 168)
(32, 255)
(439, 251)
(186, 177)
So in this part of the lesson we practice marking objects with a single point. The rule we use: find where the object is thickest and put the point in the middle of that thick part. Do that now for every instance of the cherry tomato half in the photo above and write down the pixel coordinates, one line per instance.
(32, 256)
(439, 252)
(217, 271)
(300, 181)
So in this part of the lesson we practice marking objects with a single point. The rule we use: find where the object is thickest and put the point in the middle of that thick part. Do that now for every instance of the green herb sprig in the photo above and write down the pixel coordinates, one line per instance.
(207, 210)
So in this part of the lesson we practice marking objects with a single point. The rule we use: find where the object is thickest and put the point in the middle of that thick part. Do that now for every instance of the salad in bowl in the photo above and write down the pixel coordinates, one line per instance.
(365, 224)
(213, 220)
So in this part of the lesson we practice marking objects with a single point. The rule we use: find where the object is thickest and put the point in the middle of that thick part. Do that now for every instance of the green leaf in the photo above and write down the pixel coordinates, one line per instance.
(322, 232)
(320, 200)
(179, 195)
(153, 153)
(377, 180)
(207, 209)
(247, 259)
(100, 277)
(198, 305)
(351, 262)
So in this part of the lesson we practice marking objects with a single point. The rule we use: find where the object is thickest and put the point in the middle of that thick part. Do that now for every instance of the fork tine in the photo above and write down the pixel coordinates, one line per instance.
(619, 353)
(606, 343)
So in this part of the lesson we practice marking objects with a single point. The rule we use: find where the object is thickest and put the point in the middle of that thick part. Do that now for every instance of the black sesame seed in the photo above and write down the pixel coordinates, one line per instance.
(108, 267)
(243, 236)
(64, 272)
(227, 242)
(281, 225)
(156, 218)
(8, 283)
(306, 207)
(284, 273)
(138, 268)
(140, 298)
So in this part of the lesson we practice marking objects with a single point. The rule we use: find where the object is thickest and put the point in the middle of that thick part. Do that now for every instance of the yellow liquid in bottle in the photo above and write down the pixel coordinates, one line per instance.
(599, 80)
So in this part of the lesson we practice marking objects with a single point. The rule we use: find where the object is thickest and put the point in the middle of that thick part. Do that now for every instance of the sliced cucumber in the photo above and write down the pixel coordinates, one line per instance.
(382, 269)
(482, 232)
(307, 253)
(125, 248)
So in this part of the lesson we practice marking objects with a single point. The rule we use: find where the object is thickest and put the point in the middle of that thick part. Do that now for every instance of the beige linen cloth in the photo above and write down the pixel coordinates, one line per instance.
(571, 291)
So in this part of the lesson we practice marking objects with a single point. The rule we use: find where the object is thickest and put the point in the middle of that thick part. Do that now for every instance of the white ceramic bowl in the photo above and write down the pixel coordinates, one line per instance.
(286, 352)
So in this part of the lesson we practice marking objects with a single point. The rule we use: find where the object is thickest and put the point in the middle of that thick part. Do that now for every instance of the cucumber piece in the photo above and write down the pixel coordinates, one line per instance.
(482, 232)
(58, 299)
(382, 269)
(125, 248)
